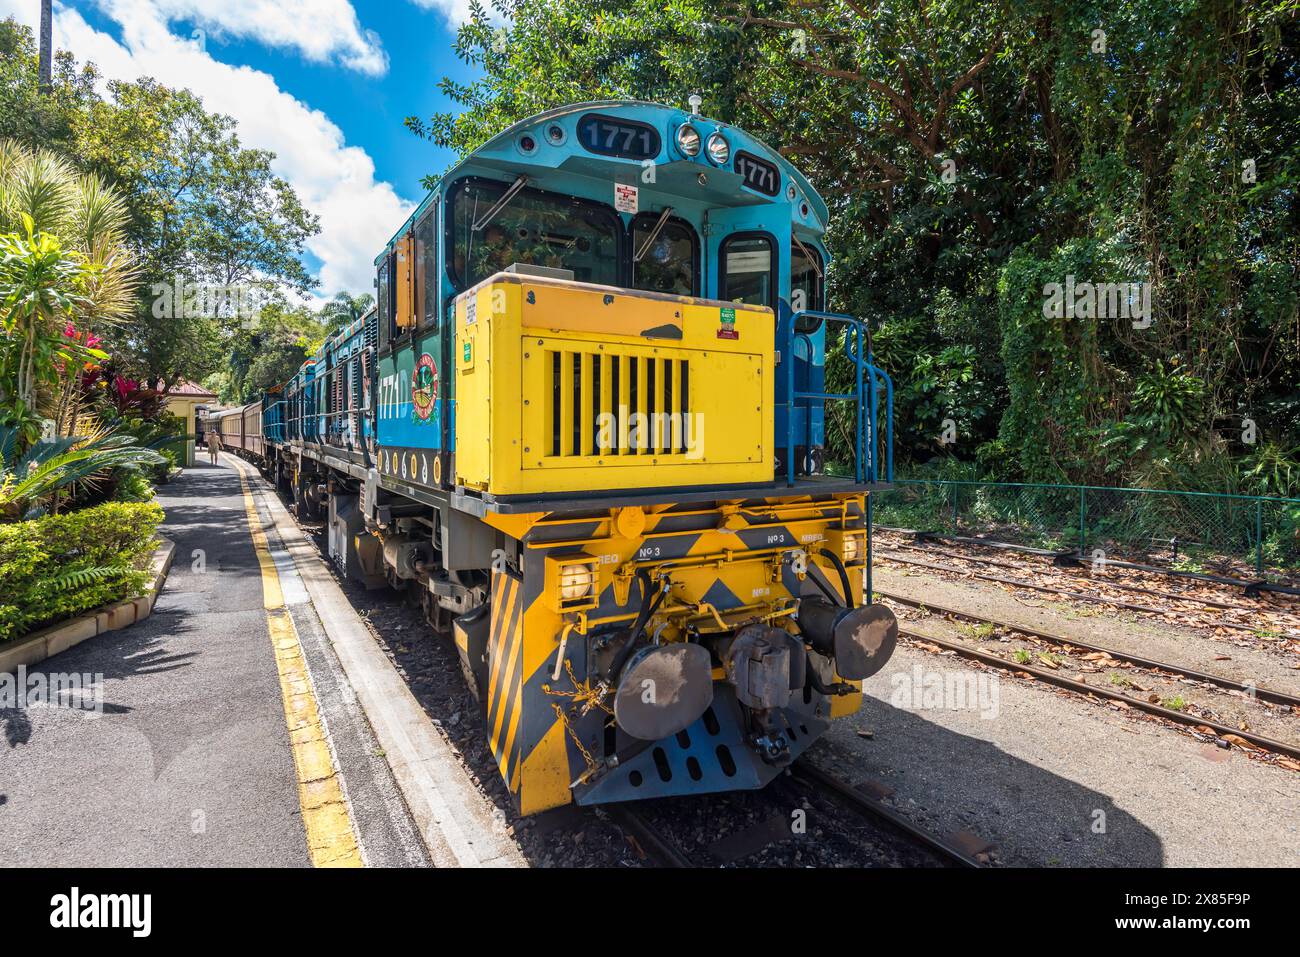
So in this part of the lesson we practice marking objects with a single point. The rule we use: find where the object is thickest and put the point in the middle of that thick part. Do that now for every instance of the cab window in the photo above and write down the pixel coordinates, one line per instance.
(807, 284)
(664, 261)
(532, 227)
(426, 270)
(383, 290)
(748, 270)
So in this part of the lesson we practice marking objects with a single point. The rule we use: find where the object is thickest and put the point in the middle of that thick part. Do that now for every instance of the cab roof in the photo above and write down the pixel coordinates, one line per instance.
(502, 152)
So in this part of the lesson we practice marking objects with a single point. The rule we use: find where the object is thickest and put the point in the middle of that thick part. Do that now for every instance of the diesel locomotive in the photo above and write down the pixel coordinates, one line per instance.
(585, 421)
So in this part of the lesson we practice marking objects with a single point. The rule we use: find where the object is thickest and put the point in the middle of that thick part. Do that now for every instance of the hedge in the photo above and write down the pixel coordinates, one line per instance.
(57, 566)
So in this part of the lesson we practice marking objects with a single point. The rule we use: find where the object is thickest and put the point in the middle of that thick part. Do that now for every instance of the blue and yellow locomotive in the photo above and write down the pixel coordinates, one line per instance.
(586, 421)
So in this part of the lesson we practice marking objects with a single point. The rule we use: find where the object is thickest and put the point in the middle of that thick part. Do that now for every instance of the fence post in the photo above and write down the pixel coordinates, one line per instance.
(1259, 538)
(1083, 535)
(871, 534)
(955, 528)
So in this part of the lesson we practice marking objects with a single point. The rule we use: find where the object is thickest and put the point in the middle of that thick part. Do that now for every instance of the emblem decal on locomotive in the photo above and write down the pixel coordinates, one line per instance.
(424, 387)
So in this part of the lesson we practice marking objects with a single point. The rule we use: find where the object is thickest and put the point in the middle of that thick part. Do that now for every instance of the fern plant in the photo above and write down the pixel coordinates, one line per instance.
(79, 578)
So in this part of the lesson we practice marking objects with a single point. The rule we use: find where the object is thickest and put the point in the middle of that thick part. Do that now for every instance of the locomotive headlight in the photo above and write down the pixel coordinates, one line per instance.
(688, 140)
(849, 543)
(719, 149)
(570, 582)
(576, 581)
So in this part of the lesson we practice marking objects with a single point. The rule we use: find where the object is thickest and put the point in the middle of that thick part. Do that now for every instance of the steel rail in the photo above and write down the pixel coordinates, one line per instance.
(1175, 596)
(1079, 687)
(658, 846)
(1264, 694)
(1081, 596)
(871, 808)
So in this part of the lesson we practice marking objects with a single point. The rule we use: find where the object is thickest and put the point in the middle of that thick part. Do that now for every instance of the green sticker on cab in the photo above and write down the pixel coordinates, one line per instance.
(727, 319)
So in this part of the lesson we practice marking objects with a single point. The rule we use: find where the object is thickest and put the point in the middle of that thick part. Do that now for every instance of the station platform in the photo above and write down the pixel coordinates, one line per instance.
(228, 731)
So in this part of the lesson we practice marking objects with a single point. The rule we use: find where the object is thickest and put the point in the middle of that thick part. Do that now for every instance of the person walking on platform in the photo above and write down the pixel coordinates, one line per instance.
(214, 445)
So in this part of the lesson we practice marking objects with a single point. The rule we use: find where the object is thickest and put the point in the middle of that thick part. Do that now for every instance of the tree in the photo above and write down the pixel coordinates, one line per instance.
(216, 228)
(344, 309)
(29, 115)
(65, 271)
(213, 229)
(272, 349)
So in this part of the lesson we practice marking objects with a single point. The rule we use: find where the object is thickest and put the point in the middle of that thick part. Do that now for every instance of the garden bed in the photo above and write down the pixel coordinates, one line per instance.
(56, 567)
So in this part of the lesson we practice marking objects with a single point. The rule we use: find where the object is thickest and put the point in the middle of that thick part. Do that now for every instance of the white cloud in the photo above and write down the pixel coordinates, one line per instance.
(321, 30)
(358, 213)
(458, 11)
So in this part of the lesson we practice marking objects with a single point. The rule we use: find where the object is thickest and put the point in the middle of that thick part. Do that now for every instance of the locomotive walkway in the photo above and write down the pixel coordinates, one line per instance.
(229, 732)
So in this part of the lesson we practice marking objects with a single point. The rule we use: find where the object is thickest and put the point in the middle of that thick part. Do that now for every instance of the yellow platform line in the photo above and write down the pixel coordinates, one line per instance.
(326, 817)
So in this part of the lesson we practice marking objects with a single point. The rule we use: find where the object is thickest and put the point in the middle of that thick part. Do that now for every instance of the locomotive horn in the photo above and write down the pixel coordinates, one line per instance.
(663, 690)
(859, 639)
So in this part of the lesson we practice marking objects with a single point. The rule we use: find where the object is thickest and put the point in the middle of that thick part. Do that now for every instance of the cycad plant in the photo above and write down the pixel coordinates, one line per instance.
(64, 261)
(31, 481)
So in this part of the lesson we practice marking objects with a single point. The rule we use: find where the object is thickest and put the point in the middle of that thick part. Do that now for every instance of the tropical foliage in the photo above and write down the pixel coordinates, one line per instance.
(31, 481)
(58, 566)
(973, 154)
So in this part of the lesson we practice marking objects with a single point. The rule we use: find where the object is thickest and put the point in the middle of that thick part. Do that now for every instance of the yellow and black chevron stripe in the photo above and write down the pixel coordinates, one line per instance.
(505, 675)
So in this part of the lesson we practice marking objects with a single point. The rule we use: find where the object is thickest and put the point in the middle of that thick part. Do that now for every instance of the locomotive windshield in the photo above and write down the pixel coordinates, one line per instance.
(540, 229)
(747, 270)
(669, 261)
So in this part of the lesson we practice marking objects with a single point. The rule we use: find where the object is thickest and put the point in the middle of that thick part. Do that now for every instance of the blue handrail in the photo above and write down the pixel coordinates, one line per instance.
(880, 379)
(865, 464)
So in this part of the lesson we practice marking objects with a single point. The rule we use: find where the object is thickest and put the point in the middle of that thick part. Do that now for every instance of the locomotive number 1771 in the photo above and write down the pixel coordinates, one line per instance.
(393, 390)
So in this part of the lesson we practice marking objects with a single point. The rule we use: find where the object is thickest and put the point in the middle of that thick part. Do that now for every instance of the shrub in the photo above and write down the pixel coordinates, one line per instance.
(131, 487)
(58, 566)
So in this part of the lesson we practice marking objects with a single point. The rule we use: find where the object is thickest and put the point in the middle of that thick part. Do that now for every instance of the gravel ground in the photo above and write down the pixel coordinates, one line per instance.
(1052, 780)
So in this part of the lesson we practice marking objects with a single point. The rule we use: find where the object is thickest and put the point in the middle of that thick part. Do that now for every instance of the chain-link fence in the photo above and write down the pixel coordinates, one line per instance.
(1237, 535)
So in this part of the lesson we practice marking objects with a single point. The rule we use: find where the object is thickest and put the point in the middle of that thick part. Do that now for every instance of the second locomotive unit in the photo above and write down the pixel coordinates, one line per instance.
(585, 421)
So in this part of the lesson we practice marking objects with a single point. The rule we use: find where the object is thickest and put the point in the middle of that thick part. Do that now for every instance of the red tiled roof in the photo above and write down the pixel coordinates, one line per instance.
(188, 389)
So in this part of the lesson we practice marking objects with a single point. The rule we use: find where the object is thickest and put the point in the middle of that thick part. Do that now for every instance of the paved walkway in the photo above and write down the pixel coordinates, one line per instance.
(190, 762)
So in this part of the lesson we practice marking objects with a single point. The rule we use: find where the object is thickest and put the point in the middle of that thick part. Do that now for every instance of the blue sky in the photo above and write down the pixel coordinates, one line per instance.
(324, 84)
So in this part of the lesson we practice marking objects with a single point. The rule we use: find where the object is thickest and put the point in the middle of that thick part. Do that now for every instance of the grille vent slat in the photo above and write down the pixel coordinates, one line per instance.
(610, 403)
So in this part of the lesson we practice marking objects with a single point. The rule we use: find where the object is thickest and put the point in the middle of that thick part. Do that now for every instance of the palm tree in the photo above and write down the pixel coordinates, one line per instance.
(343, 310)
(47, 46)
(64, 258)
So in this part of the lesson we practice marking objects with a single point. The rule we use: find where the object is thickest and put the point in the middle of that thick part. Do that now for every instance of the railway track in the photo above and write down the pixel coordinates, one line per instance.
(880, 813)
(1252, 587)
(662, 849)
(1064, 592)
(1050, 677)
(1120, 586)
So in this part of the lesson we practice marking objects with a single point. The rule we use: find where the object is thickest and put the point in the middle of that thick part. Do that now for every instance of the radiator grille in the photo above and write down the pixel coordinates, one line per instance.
(604, 402)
